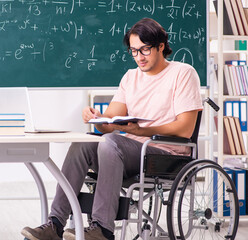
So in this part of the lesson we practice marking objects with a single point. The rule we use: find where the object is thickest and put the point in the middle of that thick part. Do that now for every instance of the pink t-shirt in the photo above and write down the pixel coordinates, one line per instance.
(160, 97)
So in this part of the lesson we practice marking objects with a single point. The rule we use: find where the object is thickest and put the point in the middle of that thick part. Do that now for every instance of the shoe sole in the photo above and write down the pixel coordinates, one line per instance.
(28, 235)
(68, 236)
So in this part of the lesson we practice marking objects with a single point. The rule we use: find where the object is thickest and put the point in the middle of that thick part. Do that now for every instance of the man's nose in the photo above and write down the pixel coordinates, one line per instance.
(140, 56)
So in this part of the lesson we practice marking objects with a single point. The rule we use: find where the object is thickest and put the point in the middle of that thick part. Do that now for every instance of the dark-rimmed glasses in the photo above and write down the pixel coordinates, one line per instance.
(144, 50)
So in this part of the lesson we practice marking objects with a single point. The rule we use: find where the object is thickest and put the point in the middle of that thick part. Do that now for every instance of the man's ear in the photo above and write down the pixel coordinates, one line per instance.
(161, 47)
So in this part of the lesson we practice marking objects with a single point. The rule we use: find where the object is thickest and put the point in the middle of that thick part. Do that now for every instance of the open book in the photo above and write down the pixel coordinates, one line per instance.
(121, 120)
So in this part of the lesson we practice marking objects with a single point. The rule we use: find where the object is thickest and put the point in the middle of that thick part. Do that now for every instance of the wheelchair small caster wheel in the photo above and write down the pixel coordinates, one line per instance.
(217, 227)
(146, 232)
(203, 222)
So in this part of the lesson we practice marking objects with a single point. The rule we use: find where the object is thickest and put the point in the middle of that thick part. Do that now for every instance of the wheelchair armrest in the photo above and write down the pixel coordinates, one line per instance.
(172, 139)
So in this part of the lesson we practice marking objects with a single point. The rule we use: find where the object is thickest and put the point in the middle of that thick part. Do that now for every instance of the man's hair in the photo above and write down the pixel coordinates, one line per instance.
(150, 32)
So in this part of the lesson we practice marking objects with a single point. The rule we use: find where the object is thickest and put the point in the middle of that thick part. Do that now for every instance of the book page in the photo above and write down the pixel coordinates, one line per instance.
(117, 120)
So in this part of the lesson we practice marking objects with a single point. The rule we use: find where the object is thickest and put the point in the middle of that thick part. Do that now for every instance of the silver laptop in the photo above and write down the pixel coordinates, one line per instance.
(16, 100)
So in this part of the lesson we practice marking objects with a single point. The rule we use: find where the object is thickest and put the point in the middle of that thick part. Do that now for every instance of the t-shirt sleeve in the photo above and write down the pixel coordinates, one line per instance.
(187, 92)
(120, 95)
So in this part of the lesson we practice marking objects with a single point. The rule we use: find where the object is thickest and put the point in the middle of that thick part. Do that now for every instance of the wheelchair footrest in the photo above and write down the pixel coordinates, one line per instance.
(86, 203)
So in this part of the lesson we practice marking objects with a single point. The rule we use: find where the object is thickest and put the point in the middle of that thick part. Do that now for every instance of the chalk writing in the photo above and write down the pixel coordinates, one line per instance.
(85, 36)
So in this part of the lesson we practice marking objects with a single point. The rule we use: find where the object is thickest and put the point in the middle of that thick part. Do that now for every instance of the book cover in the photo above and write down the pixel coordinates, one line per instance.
(240, 81)
(227, 29)
(246, 190)
(244, 78)
(237, 17)
(12, 131)
(234, 78)
(240, 136)
(229, 147)
(234, 87)
(235, 62)
(228, 80)
(243, 115)
(121, 120)
(12, 123)
(240, 45)
(242, 16)
(235, 135)
(12, 116)
(226, 199)
(246, 13)
(231, 17)
(240, 183)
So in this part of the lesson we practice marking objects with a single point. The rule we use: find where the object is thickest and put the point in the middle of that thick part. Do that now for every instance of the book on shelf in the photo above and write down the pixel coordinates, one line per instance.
(237, 108)
(234, 162)
(121, 120)
(246, 13)
(231, 17)
(239, 178)
(228, 142)
(228, 82)
(242, 16)
(240, 45)
(235, 135)
(244, 77)
(233, 142)
(235, 62)
(227, 28)
(236, 79)
(237, 17)
(242, 85)
(240, 135)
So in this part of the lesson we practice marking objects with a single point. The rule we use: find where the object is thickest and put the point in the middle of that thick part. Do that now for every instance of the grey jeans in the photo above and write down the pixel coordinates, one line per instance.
(116, 158)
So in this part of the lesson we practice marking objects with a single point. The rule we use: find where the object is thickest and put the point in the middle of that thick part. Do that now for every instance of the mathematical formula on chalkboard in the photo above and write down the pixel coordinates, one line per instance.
(67, 43)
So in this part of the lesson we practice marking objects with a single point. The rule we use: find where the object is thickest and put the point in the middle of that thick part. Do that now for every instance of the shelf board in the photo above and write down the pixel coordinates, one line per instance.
(231, 156)
(232, 37)
(229, 37)
(231, 52)
(235, 51)
(234, 97)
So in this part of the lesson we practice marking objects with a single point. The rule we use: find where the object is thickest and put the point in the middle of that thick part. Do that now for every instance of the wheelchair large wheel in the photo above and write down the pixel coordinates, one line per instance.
(196, 209)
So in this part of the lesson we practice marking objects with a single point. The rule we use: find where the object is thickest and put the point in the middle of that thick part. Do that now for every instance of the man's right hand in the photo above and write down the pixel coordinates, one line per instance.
(89, 113)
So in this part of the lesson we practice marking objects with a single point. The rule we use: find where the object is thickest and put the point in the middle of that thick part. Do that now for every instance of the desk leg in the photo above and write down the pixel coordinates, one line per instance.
(65, 185)
(42, 191)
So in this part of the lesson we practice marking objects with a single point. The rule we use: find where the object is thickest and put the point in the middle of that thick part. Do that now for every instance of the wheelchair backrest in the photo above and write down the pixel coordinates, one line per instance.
(195, 134)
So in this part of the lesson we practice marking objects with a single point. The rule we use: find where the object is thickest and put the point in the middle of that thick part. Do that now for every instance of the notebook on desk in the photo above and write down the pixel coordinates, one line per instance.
(16, 100)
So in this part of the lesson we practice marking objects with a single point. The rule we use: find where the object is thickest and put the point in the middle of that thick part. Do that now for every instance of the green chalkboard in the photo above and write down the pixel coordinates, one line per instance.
(78, 43)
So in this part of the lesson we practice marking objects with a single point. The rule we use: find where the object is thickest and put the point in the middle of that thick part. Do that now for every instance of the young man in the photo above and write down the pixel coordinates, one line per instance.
(166, 92)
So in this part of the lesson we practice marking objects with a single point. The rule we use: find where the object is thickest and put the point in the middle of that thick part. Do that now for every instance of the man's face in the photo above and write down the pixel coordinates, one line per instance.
(151, 64)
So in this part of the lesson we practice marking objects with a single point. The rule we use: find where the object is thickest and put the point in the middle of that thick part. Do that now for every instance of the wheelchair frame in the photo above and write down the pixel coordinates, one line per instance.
(209, 217)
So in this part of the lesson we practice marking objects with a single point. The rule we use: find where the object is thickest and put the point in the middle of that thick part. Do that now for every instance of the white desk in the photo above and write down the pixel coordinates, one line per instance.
(35, 148)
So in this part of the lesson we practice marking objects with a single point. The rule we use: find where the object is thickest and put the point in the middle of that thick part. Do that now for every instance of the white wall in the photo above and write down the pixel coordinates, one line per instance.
(51, 108)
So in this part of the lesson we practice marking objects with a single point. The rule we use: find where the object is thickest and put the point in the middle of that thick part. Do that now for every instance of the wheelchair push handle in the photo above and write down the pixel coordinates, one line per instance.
(212, 104)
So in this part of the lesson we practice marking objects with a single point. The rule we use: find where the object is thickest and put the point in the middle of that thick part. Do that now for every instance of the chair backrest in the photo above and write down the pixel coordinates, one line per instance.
(195, 134)
(194, 137)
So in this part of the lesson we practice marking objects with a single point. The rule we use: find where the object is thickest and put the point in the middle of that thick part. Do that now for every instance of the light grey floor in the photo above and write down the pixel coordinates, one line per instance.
(15, 214)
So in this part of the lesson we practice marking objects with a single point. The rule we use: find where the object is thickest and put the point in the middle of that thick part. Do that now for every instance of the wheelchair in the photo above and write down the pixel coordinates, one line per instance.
(174, 196)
